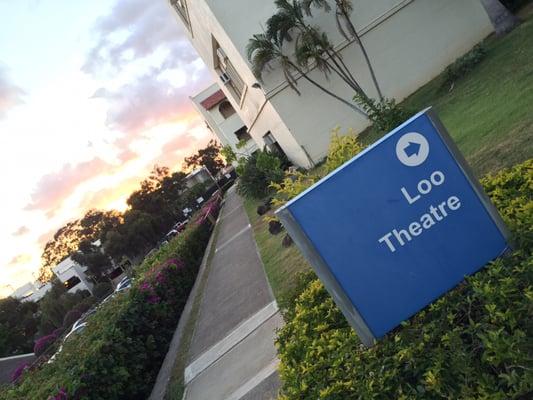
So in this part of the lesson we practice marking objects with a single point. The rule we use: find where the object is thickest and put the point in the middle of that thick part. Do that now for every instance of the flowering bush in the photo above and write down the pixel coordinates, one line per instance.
(19, 371)
(43, 343)
(61, 395)
(210, 210)
(473, 343)
(119, 353)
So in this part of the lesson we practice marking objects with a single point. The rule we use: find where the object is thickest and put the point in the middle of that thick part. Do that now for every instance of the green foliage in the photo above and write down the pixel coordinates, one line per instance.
(257, 172)
(18, 326)
(473, 343)
(385, 114)
(463, 65)
(342, 148)
(228, 154)
(208, 157)
(102, 290)
(56, 304)
(119, 354)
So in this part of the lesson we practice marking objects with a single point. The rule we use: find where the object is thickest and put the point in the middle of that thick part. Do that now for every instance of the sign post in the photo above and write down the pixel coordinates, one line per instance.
(396, 227)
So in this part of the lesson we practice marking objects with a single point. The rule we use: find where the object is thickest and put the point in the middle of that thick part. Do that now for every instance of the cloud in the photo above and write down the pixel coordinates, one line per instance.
(21, 231)
(144, 33)
(127, 155)
(20, 259)
(55, 187)
(10, 94)
(136, 29)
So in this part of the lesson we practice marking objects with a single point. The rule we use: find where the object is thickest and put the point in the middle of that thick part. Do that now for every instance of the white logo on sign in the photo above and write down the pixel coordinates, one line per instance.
(412, 149)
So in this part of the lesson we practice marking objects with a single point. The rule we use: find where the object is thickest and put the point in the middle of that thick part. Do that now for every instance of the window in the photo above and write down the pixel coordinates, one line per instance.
(272, 144)
(226, 109)
(242, 134)
(72, 282)
(181, 7)
(228, 73)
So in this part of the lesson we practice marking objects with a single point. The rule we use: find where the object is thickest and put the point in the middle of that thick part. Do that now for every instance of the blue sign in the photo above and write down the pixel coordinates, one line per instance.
(396, 227)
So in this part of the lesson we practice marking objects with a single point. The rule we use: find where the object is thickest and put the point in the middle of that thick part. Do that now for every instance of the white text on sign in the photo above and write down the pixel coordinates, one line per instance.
(435, 214)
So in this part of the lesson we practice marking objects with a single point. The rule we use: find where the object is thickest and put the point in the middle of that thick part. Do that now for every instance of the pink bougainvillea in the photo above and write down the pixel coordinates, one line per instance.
(61, 395)
(43, 343)
(19, 371)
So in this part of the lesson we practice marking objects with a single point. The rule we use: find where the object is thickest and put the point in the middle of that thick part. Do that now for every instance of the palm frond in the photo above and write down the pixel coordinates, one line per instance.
(307, 6)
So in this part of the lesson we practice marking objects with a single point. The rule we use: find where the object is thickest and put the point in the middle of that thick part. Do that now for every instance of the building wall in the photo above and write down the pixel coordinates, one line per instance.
(67, 269)
(223, 128)
(409, 43)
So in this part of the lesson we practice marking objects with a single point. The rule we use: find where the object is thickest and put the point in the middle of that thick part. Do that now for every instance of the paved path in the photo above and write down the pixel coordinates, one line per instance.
(232, 354)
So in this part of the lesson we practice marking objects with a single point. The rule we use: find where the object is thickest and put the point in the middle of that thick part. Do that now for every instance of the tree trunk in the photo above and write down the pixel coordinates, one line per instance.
(319, 86)
(363, 49)
(502, 19)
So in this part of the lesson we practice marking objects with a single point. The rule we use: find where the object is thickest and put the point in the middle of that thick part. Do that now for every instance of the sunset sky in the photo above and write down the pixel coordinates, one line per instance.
(92, 95)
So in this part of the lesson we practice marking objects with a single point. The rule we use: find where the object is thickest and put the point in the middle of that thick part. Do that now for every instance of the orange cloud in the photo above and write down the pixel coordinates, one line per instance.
(20, 259)
(55, 187)
(21, 231)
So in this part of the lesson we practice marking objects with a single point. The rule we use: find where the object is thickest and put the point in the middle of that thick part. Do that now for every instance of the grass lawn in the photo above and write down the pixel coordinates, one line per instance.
(489, 112)
(281, 264)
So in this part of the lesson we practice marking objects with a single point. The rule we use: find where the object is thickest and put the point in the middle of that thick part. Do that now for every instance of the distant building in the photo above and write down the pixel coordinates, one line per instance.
(73, 275)
(197, 176)
(222, 119)
(31, 291)
(409, 43)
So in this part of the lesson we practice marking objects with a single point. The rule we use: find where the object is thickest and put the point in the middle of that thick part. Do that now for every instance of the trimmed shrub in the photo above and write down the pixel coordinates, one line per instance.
(473, 343)
(18, 372)
(257, 172)
(275, 227)
(102, 290)
(287, 241)
(71, 317)
(119, 353)
(385, 115)
(463, 65)
(43, 343)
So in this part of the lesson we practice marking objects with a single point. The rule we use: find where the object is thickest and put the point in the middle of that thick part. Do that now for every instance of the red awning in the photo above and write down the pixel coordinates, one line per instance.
(213, 100)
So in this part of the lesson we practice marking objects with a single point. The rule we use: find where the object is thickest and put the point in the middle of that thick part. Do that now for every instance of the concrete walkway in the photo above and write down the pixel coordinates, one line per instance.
(232, 354)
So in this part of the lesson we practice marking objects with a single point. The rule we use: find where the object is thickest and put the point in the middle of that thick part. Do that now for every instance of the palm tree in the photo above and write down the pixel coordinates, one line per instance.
(502, 19)
(265, 49)
(343, 10)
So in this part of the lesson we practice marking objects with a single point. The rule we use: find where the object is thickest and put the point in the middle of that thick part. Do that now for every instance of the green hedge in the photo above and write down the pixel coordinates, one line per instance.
(120, 352)
(474, 343)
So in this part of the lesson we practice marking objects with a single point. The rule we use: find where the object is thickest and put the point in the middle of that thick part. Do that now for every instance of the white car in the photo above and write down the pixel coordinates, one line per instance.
(76, 328)
(124, 284)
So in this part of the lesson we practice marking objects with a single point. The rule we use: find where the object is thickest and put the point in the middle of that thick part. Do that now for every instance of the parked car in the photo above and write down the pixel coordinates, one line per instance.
(171, 234)
(124, 284)
(180, 226)
(78, 327)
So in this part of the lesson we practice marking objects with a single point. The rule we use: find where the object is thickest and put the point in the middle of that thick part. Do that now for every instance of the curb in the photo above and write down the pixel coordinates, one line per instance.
(165, 372)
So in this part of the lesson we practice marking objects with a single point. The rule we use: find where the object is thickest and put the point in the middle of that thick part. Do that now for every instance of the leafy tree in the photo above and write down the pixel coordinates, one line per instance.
(56, 304)
(343, 10)
(208, 157)
(311, 47)
(18, 326)
(66, 240)
(228, 153)
(91, 256)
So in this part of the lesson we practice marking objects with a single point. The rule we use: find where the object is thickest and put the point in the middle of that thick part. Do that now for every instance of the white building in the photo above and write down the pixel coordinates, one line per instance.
(31, 291)
(199, 175)
(73, 275)
(222, 119)
(409, 42)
